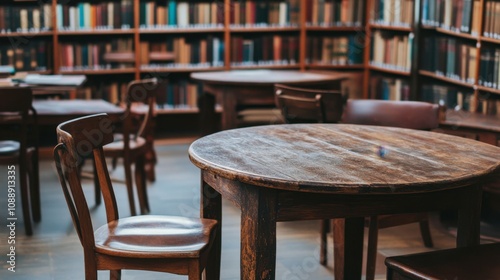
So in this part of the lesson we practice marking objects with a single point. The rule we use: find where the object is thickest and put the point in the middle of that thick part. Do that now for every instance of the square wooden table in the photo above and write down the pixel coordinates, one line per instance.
(324, 171)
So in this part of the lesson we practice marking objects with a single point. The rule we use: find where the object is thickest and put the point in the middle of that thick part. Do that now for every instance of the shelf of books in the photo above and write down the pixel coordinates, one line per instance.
(390, 55)
(461, 40)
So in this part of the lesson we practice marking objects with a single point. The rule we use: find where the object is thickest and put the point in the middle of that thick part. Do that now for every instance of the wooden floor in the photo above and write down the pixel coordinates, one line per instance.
(54, 252)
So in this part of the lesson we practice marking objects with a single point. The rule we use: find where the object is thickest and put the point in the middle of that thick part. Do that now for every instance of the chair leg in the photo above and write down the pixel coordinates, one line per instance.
(115, 274)
(140, 182)
(371, 255)
(34, 185)
(25, 199)
(128, 181)
(194, 270)
(97, 186)
(323, 257)
(426, 233)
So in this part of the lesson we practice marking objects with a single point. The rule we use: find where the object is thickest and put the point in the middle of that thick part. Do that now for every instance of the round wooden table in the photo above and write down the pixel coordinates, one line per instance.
(251, 88)
(323, 171)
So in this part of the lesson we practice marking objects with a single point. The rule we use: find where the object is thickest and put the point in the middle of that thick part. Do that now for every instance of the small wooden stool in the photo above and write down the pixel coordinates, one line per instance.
(480, 262)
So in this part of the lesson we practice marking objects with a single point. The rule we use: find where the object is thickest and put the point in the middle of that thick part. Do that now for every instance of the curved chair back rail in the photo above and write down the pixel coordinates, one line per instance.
(308, 105)
(158, 243)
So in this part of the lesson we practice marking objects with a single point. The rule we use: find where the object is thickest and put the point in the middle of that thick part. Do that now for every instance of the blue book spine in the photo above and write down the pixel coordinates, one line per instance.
(59, 14)
(221, 51)
(385, 90)
(425, 11)
(81, 12)
(172, 13)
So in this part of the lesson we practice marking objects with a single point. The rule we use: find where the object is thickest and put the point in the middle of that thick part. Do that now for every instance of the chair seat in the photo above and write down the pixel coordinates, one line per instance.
(152, 236)
(9, 147)
(137, 143)
(480, 262)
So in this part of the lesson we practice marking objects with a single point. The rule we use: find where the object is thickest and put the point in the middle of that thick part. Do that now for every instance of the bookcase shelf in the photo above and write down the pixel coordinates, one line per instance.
(264, 29)
(270, 66)
(27, 34)
(391, 27)
(446, 79)
(335, 28)
(180, 30)
(96, 32)
(389, 71)
(488, 89)
(457, 34)
(490, 40)
(179, 69)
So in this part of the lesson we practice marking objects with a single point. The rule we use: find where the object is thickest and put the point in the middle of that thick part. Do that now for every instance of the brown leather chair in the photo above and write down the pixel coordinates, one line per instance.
(405, 114)
(299, 105)
(479, 262)
(15, 107)
(157, 243)
(133, 149)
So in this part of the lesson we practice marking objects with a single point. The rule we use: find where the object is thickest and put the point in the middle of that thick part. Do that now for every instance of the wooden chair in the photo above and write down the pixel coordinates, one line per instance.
(299, 105)
(15, 107)
(479, 262)
(133, 149)
(405, 114)
(157, 243)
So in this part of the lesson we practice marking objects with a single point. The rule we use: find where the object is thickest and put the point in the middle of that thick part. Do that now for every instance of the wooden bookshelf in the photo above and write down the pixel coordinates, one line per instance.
(389, 71)
(391, 27)
(480, 59)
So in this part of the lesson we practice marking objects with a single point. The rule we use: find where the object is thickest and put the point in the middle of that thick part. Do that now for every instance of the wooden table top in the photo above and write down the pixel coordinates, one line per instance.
(341, 158)
(52, 112)
(466, 119)
(267, 77)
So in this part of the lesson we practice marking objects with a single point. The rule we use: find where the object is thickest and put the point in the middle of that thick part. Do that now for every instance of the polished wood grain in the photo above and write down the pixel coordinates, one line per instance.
(232, 89)
(159, 243)
(323, 171)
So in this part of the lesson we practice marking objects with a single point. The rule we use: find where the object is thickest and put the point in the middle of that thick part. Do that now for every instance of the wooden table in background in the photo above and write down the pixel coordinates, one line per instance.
(251, 88)
(323, 171)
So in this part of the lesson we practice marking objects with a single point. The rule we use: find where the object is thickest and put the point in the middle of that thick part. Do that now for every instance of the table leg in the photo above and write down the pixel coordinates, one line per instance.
(258, 233)
(348, 247)
(469, 215)
(229, 114)
(211, 208)
(206, 105)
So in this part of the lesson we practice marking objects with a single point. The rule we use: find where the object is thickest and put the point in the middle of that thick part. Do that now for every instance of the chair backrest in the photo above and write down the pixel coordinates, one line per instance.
(142, 91)
(78, 139)
(308, 105)
(405, 114)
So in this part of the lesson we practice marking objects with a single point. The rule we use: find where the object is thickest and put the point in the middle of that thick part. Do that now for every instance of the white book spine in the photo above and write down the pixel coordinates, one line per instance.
(36, 19)
(282, 13)
(47, 16)
(24, 19)
(183, 14)
(110, 14)
(73, 15)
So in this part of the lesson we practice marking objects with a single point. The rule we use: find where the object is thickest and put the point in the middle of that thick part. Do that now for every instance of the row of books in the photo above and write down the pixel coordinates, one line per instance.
(455, 15)
(492, 19)
(391, 51)
(345, 50)
(389, 88)
(335, 12)
(33, 18)
(91, 15)
(451, 58)
(265, 49)
(178, 94)
(393, 12)
(264, 13)
(489, 72)
(183, 52)
(34, 56)
(173, 14)
(450, 97)
(95, 56)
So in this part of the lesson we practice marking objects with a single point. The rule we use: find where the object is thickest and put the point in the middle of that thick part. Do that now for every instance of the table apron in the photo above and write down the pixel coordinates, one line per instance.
(295, 205)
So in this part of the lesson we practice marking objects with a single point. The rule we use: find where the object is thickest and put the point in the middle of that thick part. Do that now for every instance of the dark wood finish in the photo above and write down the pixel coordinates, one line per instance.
(309, 105)
(15, 149)
(405, 114)
(480, 262)
(312, 171)
(159, 243)
(132, 146)
(243, 88)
